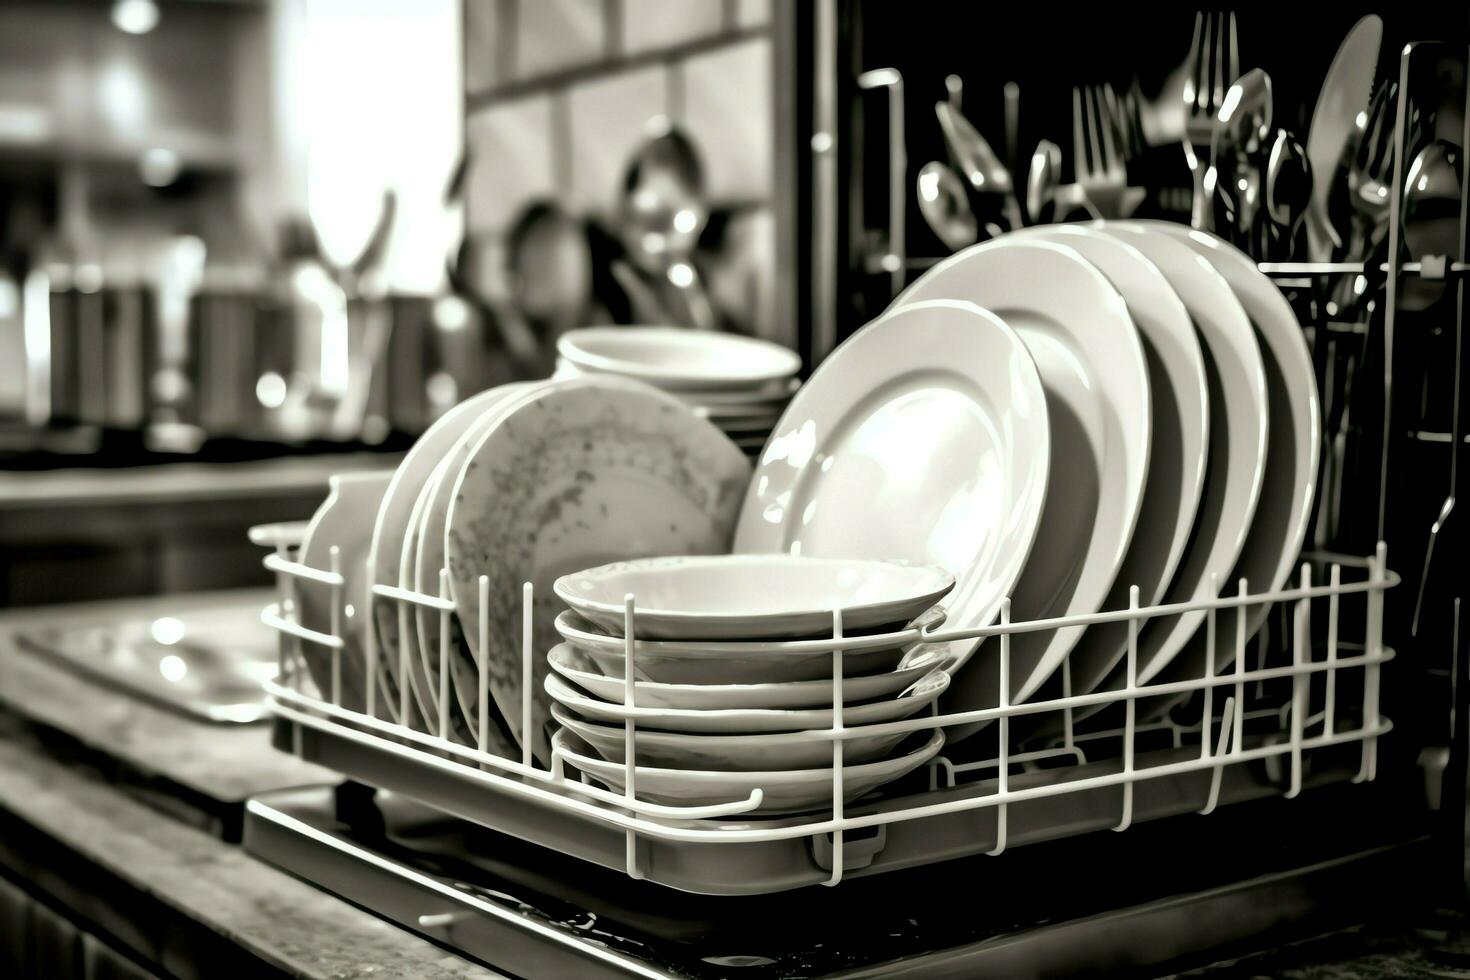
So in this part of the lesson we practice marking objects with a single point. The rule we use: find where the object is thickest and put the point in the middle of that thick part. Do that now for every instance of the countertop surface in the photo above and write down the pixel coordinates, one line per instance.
(179, 482)
(281, 921)
(63, 811)
(226, 763)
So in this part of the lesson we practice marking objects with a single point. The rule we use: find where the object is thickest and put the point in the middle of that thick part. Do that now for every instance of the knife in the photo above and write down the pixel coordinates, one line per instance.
(1344, 97)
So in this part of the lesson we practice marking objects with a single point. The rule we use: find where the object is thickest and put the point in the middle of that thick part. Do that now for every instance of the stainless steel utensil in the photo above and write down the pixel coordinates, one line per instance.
(1214, 59)
(1345, 94)
(1288, 194)
(1099, 166)
(1431, 217)
(945, 207)
(1370, 175)
(977, 162)
(1238, 154)
(1042, 179)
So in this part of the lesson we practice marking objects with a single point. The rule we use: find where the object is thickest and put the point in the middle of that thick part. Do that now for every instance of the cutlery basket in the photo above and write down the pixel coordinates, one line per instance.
(1281, 718)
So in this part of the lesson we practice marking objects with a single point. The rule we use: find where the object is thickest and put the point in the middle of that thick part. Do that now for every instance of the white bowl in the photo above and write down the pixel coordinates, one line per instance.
(578, 668)
(741, 753)
(716, 597)
(785, 790)
(675, 357)
(743, 662)
(745, 721)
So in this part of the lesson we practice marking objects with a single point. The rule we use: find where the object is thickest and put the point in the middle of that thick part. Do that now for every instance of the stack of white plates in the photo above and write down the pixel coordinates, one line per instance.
(1056, 416)
(732, 677)
(740, 384)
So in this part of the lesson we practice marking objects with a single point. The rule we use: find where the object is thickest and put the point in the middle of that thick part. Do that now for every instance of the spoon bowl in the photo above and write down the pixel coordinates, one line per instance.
(945, 207)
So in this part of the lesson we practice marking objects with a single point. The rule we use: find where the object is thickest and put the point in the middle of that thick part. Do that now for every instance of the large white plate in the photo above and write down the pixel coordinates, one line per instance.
(429, 561)
(924, 436)
(392, 523)
(342, 522)
(1180, 409)
(1238, 438)
(1087, 352)
(1280, 523)
(578, 473)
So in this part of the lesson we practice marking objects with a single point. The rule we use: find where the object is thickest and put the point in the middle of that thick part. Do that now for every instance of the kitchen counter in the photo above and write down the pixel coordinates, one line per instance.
(200, 772)
(118, 814)
(177, 897)
(96, 533)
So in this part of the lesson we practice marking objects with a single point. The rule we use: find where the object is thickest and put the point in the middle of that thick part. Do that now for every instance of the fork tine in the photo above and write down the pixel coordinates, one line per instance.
(1232, 66)
(1217, 91)
(1079, 141)
(1094, 147)
(1191, 93)
(1107, 104)
(1202, 66)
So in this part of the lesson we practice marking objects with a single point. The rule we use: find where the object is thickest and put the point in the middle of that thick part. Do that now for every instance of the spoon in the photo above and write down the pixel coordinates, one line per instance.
(977, 162)
(1042, 179)
(1238, 147)
(1288, 191)
(1431, 215)
(945, 207)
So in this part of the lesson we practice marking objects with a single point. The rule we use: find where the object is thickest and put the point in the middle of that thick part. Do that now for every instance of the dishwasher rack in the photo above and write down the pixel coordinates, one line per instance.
(1263, 729)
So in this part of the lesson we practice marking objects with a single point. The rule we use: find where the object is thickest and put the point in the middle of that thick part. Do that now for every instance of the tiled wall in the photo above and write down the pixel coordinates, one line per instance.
(558, 94)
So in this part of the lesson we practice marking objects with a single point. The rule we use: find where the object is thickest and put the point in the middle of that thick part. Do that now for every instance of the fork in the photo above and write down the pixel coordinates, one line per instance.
(1214, 62)
(1101, 174)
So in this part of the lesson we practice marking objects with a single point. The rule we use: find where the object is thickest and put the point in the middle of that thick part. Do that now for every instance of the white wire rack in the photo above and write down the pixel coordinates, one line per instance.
(564, 812)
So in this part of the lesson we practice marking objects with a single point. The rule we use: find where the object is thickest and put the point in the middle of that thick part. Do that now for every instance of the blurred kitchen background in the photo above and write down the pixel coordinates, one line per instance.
(248, 243)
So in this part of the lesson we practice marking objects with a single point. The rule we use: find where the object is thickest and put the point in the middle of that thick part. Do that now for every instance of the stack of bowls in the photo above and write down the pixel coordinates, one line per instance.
(732, 686)
(740, 384)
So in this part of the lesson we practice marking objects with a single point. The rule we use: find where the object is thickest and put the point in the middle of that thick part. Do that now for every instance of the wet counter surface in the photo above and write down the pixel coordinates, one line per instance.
(120, 813)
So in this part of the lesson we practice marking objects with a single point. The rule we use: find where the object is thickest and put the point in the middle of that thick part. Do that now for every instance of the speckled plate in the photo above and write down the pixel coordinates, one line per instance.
(578, 473)
(396, 511)
(783, 790)
(429, 561)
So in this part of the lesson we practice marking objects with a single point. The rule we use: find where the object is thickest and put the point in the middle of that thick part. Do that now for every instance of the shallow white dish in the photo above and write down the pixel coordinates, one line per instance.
(576, 473)
(735, 721)
(752, 597)
(1077, 330)
(775, 750)
(1179, 393)
(923, 436)
(342, 521)
(1280, 524)
(784, 790)
(392, 521)
(1238, 439)
(578, 668)
(675, 357)
(743, 661)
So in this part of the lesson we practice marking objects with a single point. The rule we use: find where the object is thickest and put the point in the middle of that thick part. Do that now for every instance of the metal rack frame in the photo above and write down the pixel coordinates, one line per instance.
(846, 837)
